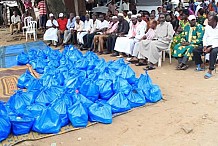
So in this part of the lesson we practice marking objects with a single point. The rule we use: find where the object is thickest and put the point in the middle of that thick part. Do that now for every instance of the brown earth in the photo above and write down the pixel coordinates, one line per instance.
(187, 116)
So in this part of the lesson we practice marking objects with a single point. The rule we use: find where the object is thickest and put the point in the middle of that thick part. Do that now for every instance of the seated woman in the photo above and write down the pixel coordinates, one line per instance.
(192, 37)
(51, 34)
(148, 36)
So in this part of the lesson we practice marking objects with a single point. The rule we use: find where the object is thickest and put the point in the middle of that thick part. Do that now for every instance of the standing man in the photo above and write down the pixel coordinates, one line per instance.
(210, 45)
(70, 26)
(42, 14)
(62, 22)
(122, 29)
(15, 19)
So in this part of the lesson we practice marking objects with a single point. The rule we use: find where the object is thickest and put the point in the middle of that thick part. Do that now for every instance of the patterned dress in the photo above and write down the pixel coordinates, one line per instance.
(193, 35)
(177, 37)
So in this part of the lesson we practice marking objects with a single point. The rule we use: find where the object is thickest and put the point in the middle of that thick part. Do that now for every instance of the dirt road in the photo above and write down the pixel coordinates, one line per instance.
(187, 116)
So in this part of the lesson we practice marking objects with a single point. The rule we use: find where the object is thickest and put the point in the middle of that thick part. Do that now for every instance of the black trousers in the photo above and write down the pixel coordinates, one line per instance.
(111, 40)
(74, 38)
(88, 39)
(213, 57)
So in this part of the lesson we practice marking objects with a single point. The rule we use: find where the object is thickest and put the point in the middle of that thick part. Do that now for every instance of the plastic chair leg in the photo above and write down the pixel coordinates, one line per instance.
(164, 55)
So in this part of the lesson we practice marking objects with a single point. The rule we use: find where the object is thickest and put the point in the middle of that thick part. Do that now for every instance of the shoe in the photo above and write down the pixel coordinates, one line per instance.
(106, 52)
(128, 59)
(120, 56)
(114, 54)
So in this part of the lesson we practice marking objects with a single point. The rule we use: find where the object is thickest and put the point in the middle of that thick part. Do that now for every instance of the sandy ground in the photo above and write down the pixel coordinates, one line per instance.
(187, 116)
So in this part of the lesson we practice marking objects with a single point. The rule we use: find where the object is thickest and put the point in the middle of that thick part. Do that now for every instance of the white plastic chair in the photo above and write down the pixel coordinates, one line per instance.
(163, 55)
(32, 30)
(26, 23)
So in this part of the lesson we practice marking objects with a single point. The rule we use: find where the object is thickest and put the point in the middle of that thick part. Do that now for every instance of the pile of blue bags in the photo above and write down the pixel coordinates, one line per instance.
(73, 88)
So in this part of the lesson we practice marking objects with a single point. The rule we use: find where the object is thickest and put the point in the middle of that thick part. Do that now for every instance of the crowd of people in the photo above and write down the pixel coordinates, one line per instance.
(141, 37)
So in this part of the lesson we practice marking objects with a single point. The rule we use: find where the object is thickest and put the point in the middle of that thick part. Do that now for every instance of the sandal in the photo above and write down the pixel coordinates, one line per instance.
(207, 75)
(141, 63)
(184, 67)
(198, 69)
(133, 60)
(149, 68)
(179, 67)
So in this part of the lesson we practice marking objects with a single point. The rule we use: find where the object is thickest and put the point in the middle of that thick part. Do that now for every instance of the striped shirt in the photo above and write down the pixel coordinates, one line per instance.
(42, 8)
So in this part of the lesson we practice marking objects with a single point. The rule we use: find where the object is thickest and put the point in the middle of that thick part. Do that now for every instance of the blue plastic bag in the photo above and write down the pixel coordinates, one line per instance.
(21, 124)
(48, 122)
(108, 74)
(90, 90)
(119, 103)
(67, 99)
(35, 85)
(105, 88)
(121, 85)
(155, 94)
(16, 101)
(39, 65)
(32, 54)
(73, 82)
(36, 109)
(127, 73)
(144, 83)
(82, 64)
(54, 63)
(100, 112)
(29, 96)
(5, 127)
(60, 107)
(115, 65)
(46, 96)
(3, 110)
(78, 115)
(77, 97)
(41, 54)
(25, 80)
(22, 59)
(136, 98)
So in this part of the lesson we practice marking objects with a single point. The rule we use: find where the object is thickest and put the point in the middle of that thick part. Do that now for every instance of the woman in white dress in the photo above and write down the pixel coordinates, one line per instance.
(52, 30)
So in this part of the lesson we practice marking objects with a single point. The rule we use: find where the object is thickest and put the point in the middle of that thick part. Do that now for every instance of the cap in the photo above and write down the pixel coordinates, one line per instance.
(191, 17)
(77, 17)
(51, 15)
(139, 15)
(133, 16)
(120, 14)
(129, 13)
(114, 17)
(61, 15)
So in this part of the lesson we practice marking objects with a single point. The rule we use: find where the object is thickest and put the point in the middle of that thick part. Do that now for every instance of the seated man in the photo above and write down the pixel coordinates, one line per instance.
(15, 19)
(126, 44)
(79, 25)
(62, 22)
(70, 25)
(150, 35)
(101, 38)
(122, 29)
(150, 49)
(191, 38)
(210, 45)
(101, 26)
(52, 30)
(87, 28)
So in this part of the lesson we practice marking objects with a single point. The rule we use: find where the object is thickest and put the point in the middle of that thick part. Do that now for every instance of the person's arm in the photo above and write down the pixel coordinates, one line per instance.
(205, 43)
(68, 24)
(200, 34)
(81, 26)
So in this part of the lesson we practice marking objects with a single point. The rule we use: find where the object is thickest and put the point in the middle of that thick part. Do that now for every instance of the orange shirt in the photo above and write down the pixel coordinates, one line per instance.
(62, 24)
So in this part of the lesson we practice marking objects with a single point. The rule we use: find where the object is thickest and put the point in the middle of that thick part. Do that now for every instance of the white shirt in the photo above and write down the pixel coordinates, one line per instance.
(88, 25)
(16, 19)
(104, 24)
(80, 26)
(49, 23)
(141, 29)
(126, 6)
(95, 25)
(210, 36)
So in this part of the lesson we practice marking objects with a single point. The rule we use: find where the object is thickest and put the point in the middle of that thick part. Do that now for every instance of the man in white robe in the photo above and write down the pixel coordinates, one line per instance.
(87, 29)
(126, 44)
(52, 30)
(79, 26)
(151, 49)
